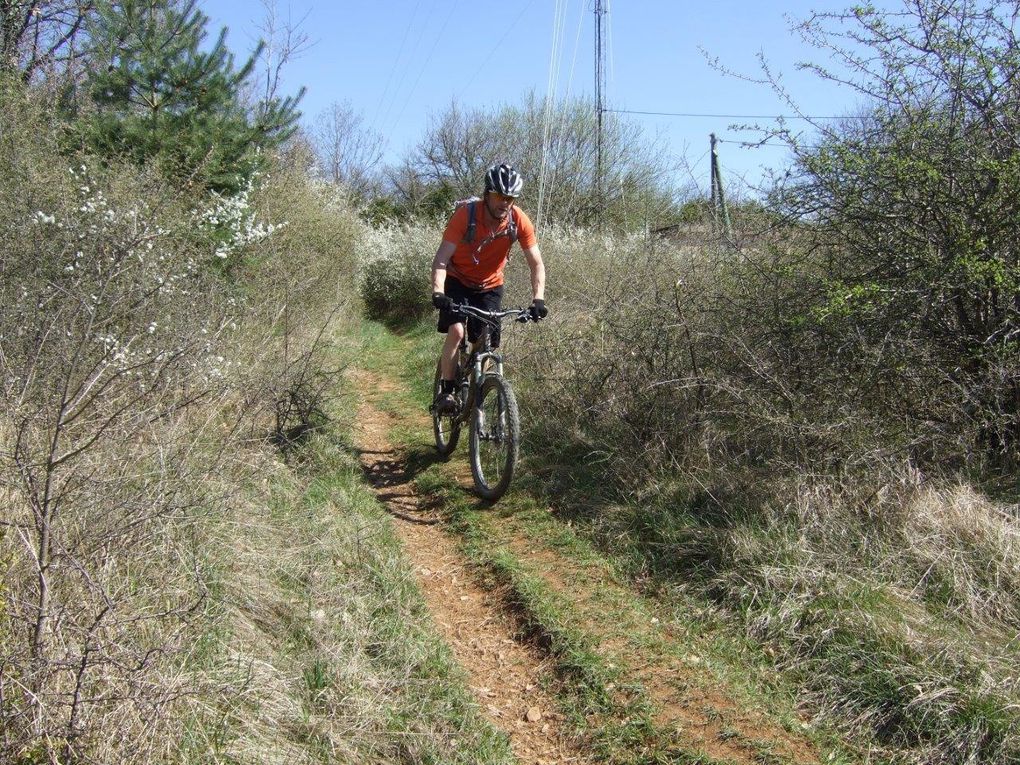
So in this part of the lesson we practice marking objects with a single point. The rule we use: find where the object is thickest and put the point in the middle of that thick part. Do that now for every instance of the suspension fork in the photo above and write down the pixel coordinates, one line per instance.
(486, 363)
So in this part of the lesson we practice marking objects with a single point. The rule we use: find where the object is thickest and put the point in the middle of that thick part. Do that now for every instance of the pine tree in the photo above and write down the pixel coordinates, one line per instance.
(158, 96)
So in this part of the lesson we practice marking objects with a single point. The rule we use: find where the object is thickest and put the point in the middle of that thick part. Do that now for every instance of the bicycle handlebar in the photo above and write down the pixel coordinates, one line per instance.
(493, 318)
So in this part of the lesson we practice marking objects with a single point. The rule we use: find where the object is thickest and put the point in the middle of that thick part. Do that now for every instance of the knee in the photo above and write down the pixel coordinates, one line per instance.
(455, 332)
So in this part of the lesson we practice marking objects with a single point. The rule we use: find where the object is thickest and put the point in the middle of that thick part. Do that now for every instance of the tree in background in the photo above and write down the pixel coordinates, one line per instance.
(40, 37)
(349, 154)
(559, 145)
(917, 205)
(157, 95)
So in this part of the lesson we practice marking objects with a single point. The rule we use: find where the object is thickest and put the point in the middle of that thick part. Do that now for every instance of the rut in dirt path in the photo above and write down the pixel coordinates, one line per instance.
(507, 677)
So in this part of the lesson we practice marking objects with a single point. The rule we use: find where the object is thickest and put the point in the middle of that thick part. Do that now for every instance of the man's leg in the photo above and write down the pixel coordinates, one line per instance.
(448, 356)
(446, 402)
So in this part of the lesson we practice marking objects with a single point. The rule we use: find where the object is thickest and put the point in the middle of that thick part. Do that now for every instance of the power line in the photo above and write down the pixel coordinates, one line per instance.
(723, 116)
(753, 144)
(496, 48)
(424, 65)
(381, 118)
(600, 88)
(555, 52)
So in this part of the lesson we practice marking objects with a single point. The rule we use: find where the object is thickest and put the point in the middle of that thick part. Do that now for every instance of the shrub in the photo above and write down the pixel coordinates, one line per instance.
(914, 205)
(146, 335)
(112, 335)
(395, 275)
(301, 288)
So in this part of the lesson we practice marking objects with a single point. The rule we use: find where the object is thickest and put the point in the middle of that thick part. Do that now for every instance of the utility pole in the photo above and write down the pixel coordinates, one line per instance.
(719, 208)
(600, 86)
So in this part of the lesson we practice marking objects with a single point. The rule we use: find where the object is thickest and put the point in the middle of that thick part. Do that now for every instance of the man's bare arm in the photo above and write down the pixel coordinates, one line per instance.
(534, 257)
(439, 264)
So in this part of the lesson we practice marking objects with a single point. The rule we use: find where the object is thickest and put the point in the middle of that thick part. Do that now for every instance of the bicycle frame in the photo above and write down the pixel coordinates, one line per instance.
(475, 362)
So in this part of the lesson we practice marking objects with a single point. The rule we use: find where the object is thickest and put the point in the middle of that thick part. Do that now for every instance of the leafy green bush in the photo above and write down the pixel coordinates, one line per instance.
(301, 283)
(914, 205)
(112, 333)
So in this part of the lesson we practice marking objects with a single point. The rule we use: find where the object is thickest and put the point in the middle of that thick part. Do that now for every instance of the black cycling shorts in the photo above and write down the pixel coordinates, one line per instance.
(487, 300)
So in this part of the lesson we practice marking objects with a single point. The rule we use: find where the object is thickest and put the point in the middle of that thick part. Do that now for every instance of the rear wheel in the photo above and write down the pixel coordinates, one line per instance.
(446, 428)
(495, 437)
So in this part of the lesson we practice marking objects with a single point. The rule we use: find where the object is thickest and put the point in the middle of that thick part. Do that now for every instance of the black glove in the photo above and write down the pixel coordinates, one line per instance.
(538, 311)
(441, 301)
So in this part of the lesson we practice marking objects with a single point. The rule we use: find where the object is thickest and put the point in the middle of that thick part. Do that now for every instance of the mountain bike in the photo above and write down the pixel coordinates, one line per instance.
(485, 404)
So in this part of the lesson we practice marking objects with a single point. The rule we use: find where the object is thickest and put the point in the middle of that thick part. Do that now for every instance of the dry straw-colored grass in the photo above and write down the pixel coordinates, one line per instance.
(786, 477)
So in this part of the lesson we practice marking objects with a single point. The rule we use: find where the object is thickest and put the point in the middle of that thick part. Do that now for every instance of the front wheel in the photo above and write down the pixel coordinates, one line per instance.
(495, 438)
(445, 427)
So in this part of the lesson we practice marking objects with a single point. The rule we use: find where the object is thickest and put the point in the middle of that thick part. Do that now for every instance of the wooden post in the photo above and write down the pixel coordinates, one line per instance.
(719, 208)
(600, 82)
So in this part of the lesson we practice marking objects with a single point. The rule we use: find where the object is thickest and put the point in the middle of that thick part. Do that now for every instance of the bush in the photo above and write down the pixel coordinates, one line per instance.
(914, 206)
(301, 283)
(148, 338)
(112, 335)
(395, 275)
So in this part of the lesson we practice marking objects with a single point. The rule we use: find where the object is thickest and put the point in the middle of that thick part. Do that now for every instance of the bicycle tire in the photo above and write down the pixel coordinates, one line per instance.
(494, 438)
(445, 428)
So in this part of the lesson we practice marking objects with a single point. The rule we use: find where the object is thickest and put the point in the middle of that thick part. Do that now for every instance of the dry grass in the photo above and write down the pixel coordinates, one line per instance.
(320, 610)
(684, 412)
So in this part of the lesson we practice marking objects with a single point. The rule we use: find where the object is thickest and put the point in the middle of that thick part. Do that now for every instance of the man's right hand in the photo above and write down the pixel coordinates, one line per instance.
(441, 301)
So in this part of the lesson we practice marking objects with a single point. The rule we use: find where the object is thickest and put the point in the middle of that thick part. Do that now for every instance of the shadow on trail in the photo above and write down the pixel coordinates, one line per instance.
(392, 473)
(421, 458)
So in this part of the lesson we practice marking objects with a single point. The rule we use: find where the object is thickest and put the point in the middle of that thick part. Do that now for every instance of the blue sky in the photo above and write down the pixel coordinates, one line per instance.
(400, 62)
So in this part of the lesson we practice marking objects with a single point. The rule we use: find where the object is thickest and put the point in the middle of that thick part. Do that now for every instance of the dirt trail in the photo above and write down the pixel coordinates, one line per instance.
(687, 699)
(506, 676)
(511, 679)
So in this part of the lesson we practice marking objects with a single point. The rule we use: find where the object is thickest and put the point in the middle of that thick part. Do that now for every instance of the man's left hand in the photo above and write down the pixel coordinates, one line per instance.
(538, 311)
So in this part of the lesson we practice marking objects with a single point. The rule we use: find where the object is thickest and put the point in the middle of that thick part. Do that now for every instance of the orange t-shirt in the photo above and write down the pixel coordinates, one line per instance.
(479, 264)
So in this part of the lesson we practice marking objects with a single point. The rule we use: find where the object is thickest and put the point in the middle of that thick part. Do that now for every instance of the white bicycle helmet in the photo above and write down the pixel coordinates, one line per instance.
(504, 180)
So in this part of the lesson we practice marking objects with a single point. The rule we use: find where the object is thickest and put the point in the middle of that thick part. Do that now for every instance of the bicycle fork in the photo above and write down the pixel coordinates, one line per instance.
(488, 363)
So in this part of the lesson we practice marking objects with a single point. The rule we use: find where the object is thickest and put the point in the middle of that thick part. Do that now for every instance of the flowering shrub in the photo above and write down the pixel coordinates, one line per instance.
(395, 272)
(231, 222)
(119, 361)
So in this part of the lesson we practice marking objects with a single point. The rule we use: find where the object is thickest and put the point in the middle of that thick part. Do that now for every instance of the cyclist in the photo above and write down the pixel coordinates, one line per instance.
(468, 267)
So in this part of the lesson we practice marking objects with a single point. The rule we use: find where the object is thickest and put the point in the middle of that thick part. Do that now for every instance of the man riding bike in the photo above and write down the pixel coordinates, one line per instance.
(468, 267)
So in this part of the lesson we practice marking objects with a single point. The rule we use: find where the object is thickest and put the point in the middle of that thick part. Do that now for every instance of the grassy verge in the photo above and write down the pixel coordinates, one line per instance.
(872, 625)
(892, 610)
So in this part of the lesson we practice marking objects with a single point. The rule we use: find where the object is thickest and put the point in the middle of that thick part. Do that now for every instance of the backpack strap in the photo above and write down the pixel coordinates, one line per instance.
(472, 225)
(469, 235)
